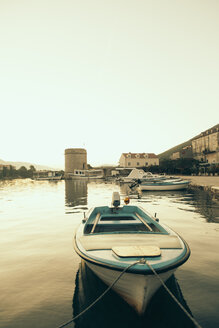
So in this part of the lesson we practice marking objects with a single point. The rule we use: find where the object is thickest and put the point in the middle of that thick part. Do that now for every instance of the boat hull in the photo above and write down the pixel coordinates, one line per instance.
(175, 186)
(136, 289)
(49, 178)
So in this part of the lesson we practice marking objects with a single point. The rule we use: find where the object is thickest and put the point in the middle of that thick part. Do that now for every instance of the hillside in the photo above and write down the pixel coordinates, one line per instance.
(166, 154)
(17, 165)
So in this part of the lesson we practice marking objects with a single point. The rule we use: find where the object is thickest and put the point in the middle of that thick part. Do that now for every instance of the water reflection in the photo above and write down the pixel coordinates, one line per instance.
(200, 201)
(206, 204)
(150, 195)
(75, 195)
(112, 311)
(38, 264)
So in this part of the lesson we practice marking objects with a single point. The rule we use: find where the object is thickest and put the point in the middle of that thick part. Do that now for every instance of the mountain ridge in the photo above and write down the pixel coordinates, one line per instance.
(167, 153)
(17, 165)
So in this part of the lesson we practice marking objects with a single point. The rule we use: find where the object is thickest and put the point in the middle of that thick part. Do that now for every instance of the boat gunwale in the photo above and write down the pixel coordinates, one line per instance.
(163, 183)
(138, 211)
(145, 271)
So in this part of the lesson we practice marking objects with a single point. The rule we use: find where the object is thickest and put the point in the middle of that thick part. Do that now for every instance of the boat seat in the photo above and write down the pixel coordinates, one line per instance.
(108, 241)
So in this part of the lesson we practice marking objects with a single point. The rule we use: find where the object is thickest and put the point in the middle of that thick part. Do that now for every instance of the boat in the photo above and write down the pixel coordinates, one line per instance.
(88, 287)
(164, 184)
(134, 175)
(141, 175)
(86, 174)
(45, 175)
(129, 243)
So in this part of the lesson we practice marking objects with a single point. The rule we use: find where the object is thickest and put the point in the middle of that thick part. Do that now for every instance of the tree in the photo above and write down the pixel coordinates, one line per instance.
(31, 171)
(22, 172)
(32, 168)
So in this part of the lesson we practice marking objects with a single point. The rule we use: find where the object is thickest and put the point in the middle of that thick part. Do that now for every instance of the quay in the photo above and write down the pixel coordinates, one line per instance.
(208, 183)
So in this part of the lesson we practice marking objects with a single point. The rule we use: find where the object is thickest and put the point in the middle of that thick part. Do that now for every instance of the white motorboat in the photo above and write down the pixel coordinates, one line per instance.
(127, 241)
(142, 176)
(135, 174)
(86, 174)
(50, 176)
(167, 184)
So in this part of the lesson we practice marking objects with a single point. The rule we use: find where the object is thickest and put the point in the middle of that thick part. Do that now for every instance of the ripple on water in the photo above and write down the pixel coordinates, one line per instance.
(44, 284)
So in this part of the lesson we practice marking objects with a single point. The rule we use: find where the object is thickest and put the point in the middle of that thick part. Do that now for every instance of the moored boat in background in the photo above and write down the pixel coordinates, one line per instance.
(142, 177)
(167, 184)
(47, 175)
(85, 174)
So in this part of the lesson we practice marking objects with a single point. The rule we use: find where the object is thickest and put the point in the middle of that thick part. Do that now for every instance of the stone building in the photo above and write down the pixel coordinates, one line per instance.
(185, 152)
(138, 160)
(75, 160)
(206, 146)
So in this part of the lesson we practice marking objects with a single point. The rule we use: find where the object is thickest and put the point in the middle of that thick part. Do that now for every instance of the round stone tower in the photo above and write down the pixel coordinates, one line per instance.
(75, 159)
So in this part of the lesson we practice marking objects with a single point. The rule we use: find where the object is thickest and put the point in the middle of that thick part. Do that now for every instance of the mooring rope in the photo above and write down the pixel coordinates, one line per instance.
(173, 296)
(142, 261)
(101, 296)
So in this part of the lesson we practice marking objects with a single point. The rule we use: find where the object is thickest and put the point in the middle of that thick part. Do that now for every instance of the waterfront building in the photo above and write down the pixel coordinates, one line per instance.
(138, 160)
(76, 166)
(185, 152)
(75, 160)
(206, 146)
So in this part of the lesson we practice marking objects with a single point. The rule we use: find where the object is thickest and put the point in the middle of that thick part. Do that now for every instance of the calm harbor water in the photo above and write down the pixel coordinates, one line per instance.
(44, 283)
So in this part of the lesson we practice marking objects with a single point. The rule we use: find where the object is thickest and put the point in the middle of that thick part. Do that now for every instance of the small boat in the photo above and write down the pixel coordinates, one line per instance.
(167, 184)
(88, 287)
(45, 175)
(128, 241)
(86, 174)
(133, 175)
(138, 174)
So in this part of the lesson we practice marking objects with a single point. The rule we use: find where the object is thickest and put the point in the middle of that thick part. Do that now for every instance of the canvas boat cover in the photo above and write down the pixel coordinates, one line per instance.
(136, 251)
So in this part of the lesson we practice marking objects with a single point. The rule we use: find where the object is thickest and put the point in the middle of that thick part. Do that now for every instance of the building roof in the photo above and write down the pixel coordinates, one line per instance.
(139, 155)
(207, 132)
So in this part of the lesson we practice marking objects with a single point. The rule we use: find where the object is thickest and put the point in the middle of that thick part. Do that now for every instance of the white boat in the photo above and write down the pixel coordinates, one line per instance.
(86, 174)
(127, 241)
(50, 176)
(168, 184)
(110, 310)
(135, 174)
(138, 174)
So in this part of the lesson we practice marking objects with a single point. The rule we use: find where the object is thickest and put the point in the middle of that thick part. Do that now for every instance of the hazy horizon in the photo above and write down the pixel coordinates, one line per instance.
(110, 77)
(101, 164)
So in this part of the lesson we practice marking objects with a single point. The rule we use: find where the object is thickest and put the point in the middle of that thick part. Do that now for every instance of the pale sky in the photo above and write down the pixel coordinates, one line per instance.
(110, 76)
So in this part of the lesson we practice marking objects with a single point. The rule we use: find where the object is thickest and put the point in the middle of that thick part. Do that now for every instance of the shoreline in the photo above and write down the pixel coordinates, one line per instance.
(208, 183)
